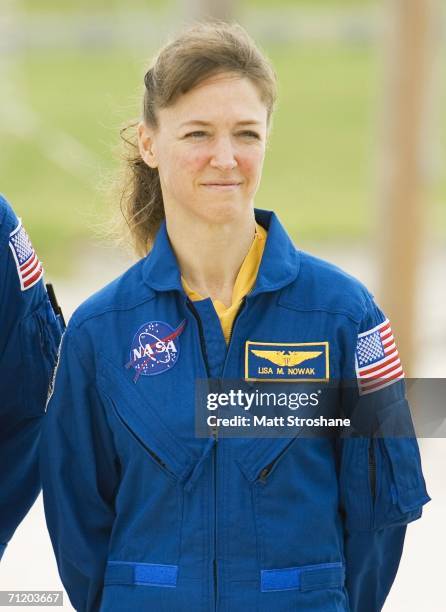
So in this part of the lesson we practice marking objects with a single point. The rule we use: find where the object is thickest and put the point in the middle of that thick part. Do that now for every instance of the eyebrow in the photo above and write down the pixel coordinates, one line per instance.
(207, 123)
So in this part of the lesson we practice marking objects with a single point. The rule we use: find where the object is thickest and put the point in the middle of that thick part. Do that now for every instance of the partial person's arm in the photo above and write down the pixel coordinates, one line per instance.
(79, 475)
(29, 338)
(381, 481)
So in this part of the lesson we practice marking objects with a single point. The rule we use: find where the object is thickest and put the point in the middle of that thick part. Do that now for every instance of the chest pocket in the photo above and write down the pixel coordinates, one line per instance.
(294, 496)
(381, 480)
(142, 421)
(154, 466)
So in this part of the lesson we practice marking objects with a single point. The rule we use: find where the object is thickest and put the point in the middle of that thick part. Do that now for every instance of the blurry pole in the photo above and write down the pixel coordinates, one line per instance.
(402, 182)
(210, 9)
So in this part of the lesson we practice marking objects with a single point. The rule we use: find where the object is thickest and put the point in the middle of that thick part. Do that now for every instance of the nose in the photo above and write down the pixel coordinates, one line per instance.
(223, 155)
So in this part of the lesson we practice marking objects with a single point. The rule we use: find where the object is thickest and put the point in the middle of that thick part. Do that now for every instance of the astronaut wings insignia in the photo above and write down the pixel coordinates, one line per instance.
(292, 358)
(287, 361)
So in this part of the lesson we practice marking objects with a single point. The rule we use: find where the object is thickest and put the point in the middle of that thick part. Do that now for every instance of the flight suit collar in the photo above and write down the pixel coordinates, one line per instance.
(280, 262)
(160, 269)
(279, 266)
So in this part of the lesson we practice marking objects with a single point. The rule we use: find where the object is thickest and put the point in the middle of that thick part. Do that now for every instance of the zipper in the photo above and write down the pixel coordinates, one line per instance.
(241, 307)
(204, 353)
(266, 471)
(153, 455)
(214, 431)
(47, 347)
(215, 567)
(393, 489)
(372, 470)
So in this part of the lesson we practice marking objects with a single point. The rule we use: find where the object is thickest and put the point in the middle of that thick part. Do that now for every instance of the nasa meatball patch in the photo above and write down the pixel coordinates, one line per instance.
(155, 348)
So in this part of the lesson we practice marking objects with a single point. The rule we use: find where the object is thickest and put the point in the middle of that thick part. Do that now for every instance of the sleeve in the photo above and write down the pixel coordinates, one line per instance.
(29, 337)
(382, 487)
(79, 468)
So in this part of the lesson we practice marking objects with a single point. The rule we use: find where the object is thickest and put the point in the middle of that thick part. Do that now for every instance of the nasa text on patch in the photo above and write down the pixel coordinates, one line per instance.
(155, 348)
(287, 361)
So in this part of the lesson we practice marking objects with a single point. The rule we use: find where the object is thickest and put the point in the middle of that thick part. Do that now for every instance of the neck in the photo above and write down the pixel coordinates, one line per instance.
(211, 254)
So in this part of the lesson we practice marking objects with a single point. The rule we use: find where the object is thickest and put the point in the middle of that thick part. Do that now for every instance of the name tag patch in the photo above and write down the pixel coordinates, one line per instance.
(287, 361)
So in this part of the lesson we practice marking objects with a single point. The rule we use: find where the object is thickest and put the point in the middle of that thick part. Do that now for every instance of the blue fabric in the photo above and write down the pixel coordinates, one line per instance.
(29, 337)
(149, 574)
(126, 479)
(373, 560)
(311, 576)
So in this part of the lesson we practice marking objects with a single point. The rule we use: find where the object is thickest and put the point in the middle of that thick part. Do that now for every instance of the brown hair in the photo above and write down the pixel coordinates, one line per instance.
(200, 51)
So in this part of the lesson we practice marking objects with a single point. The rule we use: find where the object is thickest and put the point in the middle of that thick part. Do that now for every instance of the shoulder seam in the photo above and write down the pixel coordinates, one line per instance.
(6, 225)
(293, 306)
(79, 321)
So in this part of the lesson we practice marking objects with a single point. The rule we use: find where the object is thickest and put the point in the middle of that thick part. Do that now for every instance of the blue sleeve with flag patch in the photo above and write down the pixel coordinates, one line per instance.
(29, 337)
(381, 481)
(79, 468)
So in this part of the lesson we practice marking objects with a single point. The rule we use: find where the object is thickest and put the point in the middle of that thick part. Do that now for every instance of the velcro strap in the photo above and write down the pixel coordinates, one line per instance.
(150, 574)
(303, 578)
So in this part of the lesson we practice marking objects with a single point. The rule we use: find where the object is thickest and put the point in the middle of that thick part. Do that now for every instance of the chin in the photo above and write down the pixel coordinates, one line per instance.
(222, 210)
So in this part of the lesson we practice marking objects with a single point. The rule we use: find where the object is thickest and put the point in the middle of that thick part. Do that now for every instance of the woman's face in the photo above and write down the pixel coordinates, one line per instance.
(209, 149)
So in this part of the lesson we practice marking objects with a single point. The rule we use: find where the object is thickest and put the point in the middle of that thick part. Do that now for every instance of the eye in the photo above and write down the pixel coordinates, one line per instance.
(249, 134)
(196, 134)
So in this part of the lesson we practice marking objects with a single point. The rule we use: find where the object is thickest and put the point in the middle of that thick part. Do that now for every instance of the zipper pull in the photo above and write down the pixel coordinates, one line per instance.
(265, 472)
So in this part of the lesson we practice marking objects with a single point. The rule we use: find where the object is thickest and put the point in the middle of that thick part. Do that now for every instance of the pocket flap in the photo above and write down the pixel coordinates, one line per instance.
(401, 447)
(150, 431)
(148, 574)
(260, 453)
(303, 578)
(408, 478)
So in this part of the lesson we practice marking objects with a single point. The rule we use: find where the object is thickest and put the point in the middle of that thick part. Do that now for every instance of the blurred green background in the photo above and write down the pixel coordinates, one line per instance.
(63, 105)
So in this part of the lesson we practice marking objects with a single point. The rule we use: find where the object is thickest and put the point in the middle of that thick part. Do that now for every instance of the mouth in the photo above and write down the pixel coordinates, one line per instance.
(222, 185)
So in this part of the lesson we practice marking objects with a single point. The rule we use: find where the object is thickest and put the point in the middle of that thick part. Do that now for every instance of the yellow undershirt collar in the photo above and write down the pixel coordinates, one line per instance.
(244, 282)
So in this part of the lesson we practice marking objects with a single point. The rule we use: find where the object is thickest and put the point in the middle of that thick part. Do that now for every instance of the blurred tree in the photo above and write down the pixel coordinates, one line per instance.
(402, 176)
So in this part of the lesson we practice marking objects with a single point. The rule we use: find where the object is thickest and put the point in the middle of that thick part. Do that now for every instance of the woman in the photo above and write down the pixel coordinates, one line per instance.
(143, 514)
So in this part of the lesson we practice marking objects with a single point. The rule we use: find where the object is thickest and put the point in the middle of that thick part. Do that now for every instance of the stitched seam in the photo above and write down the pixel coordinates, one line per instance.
(298, 308)
(172, 441)
(117, 308)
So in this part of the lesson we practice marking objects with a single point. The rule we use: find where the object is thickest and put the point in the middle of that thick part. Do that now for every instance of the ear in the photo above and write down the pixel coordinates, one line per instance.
(146, 144)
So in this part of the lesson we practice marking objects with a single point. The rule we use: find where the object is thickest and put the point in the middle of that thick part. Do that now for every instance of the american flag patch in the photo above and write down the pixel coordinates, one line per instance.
(29, 268)
(377, 361)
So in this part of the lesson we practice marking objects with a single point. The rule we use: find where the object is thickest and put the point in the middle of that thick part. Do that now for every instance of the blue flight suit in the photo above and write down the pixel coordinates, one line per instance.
(30, 334)
(145, 515)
